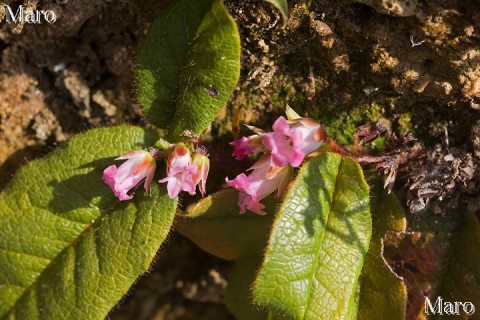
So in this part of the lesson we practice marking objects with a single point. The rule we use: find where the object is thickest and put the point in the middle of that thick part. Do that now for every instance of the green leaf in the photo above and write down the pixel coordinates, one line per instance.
(238, 296)
(68, 248)
(461, 281)
(188, 66)
(318, 242)
(382, 292)
(281, 5)
(216, 225)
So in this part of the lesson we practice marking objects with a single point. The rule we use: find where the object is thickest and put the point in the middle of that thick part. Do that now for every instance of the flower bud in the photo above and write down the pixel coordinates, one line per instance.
(200, 159)
(247, 145)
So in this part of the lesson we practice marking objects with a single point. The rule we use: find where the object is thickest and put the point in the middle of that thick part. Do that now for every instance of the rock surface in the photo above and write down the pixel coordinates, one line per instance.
(401, 8)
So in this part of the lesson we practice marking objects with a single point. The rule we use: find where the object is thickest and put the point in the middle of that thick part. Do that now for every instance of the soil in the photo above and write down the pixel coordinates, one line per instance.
(413, 65)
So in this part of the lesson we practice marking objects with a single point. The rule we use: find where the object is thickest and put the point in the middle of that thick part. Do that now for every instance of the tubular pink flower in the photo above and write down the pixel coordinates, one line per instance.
(259, 184)
(180, 179)
(247, 145)
(180, 172)
(200, 159)
(280, 147)
(291, 141)
(140, 165)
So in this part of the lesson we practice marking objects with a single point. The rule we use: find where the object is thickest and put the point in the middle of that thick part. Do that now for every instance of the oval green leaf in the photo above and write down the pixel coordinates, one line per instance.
(68, 248)
(238, 296)
(318, 242)
(188, 66)
(382, 292)
(216, 225)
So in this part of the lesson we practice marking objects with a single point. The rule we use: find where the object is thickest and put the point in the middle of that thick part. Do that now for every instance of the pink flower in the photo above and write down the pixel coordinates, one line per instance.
(180, 172)
(291, 141)
(247, 145)
(200, 159)
(263, 180)
(139, 166)
(286, 147)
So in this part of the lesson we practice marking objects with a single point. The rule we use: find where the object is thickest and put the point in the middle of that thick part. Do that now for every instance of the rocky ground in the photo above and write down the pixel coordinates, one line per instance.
(414, 66)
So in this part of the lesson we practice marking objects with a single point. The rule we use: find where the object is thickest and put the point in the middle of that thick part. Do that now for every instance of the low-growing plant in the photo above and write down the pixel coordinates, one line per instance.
(298, 224)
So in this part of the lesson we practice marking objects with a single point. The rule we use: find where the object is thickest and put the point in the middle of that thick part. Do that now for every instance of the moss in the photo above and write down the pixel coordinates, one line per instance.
(403, 124)
(341, 125)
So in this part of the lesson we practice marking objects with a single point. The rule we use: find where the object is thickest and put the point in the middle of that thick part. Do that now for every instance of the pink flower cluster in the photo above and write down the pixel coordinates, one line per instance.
(184, 173)
(285, 148)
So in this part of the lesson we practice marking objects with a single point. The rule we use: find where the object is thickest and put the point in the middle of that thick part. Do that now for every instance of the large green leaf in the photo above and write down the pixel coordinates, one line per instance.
(188, 66)
(68, 248)
(318, 242)
(216, 225)
(281, 5)
(461, 281)
(382, 292)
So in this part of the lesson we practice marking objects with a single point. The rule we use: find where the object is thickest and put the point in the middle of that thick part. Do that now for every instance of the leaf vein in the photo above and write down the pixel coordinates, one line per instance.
(315, 263)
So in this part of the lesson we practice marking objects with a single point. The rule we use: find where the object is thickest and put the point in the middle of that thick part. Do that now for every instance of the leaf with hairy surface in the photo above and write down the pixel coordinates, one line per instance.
(216, 225)
(68, 248)
(188, 66)
(381, 291)
(318, 242)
